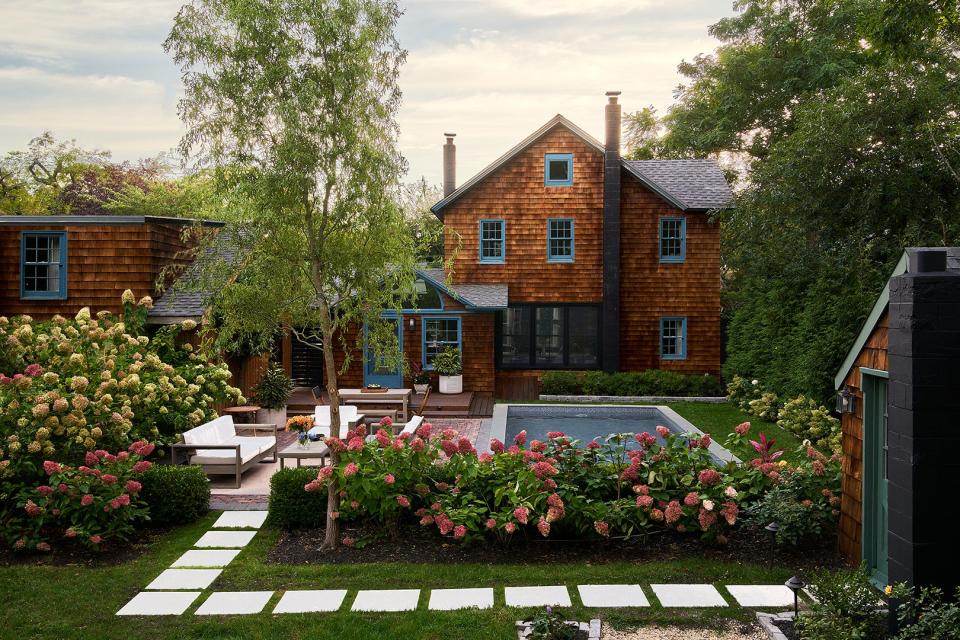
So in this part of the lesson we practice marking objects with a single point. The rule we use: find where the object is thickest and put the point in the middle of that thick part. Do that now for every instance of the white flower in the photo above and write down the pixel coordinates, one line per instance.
(708, 505)
(755, 382)
(730, 492)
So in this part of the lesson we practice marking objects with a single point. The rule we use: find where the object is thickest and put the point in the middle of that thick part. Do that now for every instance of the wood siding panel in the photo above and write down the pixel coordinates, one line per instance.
(517, 194)
(873, 356)
(650, 289)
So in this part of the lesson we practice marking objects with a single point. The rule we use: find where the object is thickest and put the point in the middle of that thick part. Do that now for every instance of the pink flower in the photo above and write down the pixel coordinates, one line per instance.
(142, 466)
(399, 444)
(325, 473)
(555, 434)
(692, 499)
(355, 444)
(485, 458)
(644, 502)
(459, 532)
(334, 515)
(554, 500)
(33, 370)
(123, 456)
(313, 485)
(108, 478)
(426, 520)
(70, 533)
(450, 448)
(91, 458)
(705, 441)
(543, 527)
(742, 428)
(448, 434)
(45, 490)
(513, 450)
(382, 439)
(521, 513)
(335, 444)
(644, 438)
(63, 488)
(32, 509)
(663, 431)
(537, 445)
(543, 470)
(389, 479)
(95, 539)
(442, 486)
(132, 486)
(709, 477)
(354, 505)
(707, 519)
(555, 513)
(496, 446)
(115, 503)
(86, 500)
(520, 438)
(348, 541)
(593, 444)
(350, 470)
(444, 523)
(673, 512)
(509, 527)
(385, 421)
(641, 489)
(424, 430)
(417, 444)
(730, 492)
(465, 446)
(403, 501)
(51, 467)
(602, 528)
(43, 546)
(491, 523)
(549, 484)
(818, 468)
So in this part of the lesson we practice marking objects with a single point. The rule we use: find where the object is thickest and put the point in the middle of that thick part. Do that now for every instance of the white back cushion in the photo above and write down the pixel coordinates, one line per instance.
(413, 425)
(224, 429)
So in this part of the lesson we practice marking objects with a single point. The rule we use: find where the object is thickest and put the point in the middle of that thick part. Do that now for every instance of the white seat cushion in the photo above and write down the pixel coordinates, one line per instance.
(248, 451)
(413, 425)
(321, 415)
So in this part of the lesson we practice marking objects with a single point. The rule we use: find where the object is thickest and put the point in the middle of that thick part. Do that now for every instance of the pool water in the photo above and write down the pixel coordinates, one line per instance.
(584, 427)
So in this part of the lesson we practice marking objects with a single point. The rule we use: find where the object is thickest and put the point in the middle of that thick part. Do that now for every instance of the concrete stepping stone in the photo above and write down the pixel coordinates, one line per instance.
(234, 603)
(688, 595)
(761, 595)
(224, 539)
(317, 601)
(554, 596)
(198, 558)
(451, 599)
(240, 520)
(184, 579)
(612, 595)
(159, 603)
(387, 600)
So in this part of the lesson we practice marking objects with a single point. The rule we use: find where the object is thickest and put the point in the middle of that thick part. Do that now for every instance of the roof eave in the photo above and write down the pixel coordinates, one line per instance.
(653, 186)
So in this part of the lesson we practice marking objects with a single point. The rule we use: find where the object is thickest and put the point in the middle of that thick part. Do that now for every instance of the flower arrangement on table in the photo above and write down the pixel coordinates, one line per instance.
(301, 424)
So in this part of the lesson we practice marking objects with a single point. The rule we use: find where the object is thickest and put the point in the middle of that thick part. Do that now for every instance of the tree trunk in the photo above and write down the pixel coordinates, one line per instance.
(332, 537)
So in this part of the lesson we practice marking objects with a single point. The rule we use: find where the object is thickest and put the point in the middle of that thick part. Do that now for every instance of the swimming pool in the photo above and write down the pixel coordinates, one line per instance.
(589, 422)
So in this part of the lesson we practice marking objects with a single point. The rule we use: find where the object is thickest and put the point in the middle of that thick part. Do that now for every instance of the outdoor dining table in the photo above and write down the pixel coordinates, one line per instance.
(399, 397)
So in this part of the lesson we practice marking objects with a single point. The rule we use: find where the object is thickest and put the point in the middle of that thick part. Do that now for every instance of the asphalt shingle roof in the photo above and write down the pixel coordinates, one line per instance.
(183, 302)
(694, 184)
(485, 296)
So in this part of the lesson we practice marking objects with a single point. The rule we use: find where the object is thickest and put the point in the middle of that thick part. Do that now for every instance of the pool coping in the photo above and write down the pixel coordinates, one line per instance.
(498, 424)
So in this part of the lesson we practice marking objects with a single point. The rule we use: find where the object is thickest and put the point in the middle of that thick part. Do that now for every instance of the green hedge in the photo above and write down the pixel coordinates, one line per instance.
(653, 382)
(176, 494)
(292, 507)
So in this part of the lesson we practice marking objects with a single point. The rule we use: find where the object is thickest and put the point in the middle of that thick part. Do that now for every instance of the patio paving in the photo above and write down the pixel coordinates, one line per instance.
(241, 520)
(159, 603)
(612, 595)
(185, 579)
(452, 599)
(204, 559)
(688, 595)
(234, 602)
(317, 601)
(387, 600)
(556, 596)
(761, 595)
(225, 539)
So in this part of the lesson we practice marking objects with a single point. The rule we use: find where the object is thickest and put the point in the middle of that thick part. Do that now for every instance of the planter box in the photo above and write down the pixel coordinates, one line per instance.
(588, 630)
(451, 384)
(273, 416)
(421, 388)
(634, 399)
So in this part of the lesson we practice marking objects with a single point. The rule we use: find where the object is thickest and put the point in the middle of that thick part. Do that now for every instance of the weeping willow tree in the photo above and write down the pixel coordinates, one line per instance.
(291, 104)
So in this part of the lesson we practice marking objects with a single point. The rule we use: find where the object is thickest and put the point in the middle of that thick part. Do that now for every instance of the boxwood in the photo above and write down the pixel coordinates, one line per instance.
(290, 506)
(175, 494)
(653, 382)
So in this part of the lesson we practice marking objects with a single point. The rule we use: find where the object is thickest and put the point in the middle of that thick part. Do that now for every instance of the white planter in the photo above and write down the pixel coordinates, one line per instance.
(273, 416)
(421, 388)
(451, 384)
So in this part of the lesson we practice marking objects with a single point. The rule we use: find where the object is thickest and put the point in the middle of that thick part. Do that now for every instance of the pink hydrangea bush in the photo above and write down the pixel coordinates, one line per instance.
(93, 503)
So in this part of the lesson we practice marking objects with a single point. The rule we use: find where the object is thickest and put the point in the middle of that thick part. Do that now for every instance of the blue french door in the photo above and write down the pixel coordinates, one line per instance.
(375, 369)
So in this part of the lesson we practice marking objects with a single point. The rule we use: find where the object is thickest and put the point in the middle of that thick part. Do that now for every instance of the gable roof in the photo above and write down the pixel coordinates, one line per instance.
(880, 306)
(182, 303)
(690, 185)
(473, 296)
(555, 121)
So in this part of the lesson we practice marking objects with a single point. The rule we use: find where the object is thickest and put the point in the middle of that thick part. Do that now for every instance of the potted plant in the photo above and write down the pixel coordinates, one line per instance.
(272, 393)
(449, 365)
(421, 378)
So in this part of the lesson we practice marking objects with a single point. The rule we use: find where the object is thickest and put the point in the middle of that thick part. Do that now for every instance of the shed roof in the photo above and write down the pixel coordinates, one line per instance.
(473, 296)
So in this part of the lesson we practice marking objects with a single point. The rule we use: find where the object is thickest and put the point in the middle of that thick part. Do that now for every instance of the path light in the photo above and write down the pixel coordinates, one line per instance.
(846, 401)
(795, 584)
(773, 528)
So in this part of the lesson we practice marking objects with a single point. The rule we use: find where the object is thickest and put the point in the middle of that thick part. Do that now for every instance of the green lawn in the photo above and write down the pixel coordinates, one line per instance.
(80, 602)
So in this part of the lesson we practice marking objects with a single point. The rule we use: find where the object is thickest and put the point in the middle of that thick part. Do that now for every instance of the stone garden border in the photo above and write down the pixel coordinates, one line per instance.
(634, 399)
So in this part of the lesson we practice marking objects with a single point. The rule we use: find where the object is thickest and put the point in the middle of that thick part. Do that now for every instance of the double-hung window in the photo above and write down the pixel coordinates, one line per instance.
(560, 240)
(673, 239)
(558, 169)
(673, 338)
(493, 241)
(438, 334)
(43, 265)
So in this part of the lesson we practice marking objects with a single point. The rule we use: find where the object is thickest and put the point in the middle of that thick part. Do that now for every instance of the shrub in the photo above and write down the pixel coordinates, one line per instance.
(924, 614)
(274, 389)
(805, 418)
(550, 624)
(93, 503)
(766, 407)
(292, 507)
(448, 362)
(94, 382)
(561, 383)
(176, 494)
(845, 605)
(742, 391)
(653, 382)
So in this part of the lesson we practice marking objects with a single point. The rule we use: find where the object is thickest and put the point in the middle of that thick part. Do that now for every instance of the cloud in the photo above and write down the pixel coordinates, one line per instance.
(541, 8)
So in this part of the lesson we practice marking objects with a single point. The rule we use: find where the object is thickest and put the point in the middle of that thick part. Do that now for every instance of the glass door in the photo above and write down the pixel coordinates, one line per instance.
(376, 370)
(875, 522)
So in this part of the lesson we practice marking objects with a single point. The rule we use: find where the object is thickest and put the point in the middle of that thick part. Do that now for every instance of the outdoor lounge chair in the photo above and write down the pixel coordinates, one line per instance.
(217, 447)
(349, 418)
(410, 427)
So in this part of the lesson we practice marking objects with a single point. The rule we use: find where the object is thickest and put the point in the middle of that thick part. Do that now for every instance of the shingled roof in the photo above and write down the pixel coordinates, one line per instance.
(476, 296)
(691, 185)
(181, 302)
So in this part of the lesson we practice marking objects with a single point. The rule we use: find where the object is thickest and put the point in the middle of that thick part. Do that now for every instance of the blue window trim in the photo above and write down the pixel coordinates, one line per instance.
(503, 242)
(423, 337)
(683, 241)
(573, 241)
(547, 158)
(683, 340)
(44, 295)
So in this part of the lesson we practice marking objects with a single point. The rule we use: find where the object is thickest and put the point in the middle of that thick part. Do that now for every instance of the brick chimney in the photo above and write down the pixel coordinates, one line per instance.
(449, 165)
(611, 234)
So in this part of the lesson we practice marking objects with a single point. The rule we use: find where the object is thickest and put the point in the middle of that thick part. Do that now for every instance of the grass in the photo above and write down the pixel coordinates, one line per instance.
(43, 601)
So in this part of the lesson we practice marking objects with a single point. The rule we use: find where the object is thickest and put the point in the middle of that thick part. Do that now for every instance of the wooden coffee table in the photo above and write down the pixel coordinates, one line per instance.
(310, 451)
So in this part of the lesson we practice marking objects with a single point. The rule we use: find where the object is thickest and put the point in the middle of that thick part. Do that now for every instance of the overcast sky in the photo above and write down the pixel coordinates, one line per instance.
(492, 71)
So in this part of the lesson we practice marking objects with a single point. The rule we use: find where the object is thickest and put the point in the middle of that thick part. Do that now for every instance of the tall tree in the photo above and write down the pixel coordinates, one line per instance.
(845, 113)
(293, 104)
(424, 227)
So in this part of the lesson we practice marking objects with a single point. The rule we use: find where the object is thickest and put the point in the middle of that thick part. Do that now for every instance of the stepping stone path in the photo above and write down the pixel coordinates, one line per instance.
(225, 539)
(159, 603)
(194, 558)
(759, 595)
(451, 599)
(241, 520)
(387, 600)
(688, 595)
(311, 601)
(537, 596)
(185, 579)
(234, 602)
(612, 595)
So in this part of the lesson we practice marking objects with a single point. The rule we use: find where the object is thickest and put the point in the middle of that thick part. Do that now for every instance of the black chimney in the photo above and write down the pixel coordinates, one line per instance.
(611, 235)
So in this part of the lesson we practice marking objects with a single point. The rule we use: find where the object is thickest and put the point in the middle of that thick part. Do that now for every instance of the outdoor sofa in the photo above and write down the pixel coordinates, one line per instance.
(219, 449)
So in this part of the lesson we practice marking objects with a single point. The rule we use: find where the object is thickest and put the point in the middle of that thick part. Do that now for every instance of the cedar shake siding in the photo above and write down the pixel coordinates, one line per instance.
(650, 289)
(516, 193)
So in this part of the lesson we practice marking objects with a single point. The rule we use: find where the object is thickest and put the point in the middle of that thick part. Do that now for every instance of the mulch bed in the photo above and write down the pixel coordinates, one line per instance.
(71, 553)
(421, 545)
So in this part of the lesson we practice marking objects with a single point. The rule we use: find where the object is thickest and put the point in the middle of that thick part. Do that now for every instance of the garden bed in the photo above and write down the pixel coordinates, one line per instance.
(420, 545)
(72, 553)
